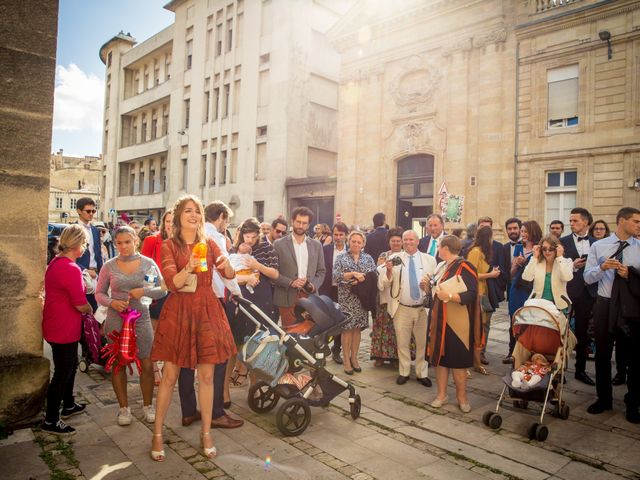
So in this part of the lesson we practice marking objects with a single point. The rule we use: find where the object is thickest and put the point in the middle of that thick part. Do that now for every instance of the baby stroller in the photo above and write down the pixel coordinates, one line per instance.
(541, 328)
(318, 319)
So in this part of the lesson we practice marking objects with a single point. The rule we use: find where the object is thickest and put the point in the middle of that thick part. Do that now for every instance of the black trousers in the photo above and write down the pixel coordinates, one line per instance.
(187, 391)
(632, 398)
(582, 310)
(65, 362)
(337, 339)
(622, 354)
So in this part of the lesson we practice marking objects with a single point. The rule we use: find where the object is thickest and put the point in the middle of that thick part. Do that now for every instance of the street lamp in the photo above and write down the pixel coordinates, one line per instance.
(605, 36)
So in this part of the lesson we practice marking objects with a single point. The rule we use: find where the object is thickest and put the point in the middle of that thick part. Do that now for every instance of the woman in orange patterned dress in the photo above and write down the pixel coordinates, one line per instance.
(192, 329)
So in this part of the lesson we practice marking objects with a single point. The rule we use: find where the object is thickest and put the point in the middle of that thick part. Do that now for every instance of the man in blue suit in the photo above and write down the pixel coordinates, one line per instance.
(91, 260)
(582, 296)
(377, 241)
(429, 244)
(329, 287)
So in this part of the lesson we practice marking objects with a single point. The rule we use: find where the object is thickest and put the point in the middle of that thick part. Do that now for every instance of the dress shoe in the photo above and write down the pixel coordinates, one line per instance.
(508, 359)
(357, 369)
(186, 421)
(633, 415)
(348, 372)
(426, 381)
(584, 378)
(225, 421)
(484, 360)
(598, 407)
(336, 357)
(401, 380)
(619, 379)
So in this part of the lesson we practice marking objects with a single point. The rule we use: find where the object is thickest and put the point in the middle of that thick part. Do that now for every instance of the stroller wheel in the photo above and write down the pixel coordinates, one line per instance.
(293, 417)
(355, 407)
(538, 432)
(262, 398)
(486, 416)
(495, 421)
(83, 366)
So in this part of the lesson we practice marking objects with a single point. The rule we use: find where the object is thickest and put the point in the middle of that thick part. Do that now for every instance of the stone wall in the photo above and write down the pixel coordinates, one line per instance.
(28, 56)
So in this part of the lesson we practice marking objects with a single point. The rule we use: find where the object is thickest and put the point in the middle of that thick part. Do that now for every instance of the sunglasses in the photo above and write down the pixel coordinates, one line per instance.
(548, 249)
(280, 232)
(90, 211)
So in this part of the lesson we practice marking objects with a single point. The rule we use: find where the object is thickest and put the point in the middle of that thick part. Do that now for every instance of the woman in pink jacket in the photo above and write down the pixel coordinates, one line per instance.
(64, 303)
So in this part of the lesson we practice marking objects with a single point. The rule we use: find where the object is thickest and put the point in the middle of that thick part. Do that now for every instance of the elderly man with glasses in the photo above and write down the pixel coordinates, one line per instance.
(91, 260)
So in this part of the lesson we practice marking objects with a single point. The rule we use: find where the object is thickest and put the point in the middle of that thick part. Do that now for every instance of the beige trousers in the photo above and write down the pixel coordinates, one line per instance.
(406, 321)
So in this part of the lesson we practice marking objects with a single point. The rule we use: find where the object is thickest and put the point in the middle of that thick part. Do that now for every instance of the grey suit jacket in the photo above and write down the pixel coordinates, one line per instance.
(283, 295)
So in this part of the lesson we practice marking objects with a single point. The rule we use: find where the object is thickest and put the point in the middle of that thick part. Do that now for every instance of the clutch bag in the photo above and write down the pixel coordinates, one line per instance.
(453, 285)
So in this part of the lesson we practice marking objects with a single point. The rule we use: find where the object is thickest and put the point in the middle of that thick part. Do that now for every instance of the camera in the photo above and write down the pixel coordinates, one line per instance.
(395, 261)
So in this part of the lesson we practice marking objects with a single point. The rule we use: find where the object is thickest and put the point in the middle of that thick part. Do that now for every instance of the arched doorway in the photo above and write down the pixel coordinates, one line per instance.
(415, 192)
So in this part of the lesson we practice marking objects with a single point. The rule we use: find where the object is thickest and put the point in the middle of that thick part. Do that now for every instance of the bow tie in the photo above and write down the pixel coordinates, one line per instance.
(581, 239)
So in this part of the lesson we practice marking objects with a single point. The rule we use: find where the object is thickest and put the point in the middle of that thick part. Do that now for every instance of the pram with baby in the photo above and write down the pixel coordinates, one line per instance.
(306, 346)
(540, 328)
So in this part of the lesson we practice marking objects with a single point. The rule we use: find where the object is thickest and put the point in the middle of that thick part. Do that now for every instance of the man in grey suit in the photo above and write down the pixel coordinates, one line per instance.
(301, 265)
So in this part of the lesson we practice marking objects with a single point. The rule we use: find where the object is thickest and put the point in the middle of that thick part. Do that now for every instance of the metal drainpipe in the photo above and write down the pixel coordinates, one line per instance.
(515, 151)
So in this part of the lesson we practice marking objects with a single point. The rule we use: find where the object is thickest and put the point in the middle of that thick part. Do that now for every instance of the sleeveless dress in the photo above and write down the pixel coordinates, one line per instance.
(192, 328)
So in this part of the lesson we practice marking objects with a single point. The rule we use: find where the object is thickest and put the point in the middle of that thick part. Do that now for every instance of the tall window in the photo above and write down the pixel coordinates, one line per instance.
(144, 128)
(560, 195)
(203, 170)
(73, 204)
(229, 34)
(213, 168)
(218, 40)
(185, 176)
(258, 211)
(225, 101)
(207, 95)
(234, 166)
(216, 100)
(59, 199)
(152, 180)
(154, 125)
(562, 107)
(223, 167)
(187, 109)
(189, 58)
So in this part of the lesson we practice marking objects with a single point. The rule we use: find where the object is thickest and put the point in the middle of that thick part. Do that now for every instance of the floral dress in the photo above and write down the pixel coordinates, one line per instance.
(349, 302)
(383, 335)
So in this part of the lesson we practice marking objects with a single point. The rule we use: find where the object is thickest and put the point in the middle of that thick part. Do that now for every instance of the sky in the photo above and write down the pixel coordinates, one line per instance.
(83, 27)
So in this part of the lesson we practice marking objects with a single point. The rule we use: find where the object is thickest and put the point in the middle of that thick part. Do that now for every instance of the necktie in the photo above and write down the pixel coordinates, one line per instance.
(413, 280)
(618, 255)
(432, 247)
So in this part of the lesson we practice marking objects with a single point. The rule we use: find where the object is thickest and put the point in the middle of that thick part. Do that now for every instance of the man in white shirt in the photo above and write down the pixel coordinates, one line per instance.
(408, 282)
(91, 259)
(329, 287)
(301, 263)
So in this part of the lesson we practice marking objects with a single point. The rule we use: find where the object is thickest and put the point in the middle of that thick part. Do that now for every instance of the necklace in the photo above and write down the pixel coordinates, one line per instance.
(129, 258)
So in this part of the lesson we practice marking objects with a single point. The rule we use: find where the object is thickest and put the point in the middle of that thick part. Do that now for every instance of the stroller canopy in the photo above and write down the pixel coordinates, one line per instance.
(542, 313)
(324, 313)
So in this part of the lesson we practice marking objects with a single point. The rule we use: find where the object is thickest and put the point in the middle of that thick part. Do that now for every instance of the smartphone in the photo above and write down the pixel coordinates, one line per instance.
(584, 257)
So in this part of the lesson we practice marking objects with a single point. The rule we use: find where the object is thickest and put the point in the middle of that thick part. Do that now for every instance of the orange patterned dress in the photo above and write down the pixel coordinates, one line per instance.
(192, 328)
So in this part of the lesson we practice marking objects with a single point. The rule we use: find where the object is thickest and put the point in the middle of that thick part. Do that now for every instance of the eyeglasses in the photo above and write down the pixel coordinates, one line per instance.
(90, 211)
(600, 229)
(280, 232)
(548, 249)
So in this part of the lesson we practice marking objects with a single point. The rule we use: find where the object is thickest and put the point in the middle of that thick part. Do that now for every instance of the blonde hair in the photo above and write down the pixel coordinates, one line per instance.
(551, 240)
(361, 234)
(178, 208)
(72, 237)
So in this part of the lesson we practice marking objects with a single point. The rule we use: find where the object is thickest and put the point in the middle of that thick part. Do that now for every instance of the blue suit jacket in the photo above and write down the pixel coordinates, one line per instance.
(83, 261)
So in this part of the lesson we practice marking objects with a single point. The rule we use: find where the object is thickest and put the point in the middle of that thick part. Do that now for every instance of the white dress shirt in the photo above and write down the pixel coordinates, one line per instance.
(218, 282)
(582, 246)
(302, 256)
(92, 253)
(405, 285)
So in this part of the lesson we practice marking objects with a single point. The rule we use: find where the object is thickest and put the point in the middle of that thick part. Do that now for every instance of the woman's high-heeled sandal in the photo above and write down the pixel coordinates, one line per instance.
(210, 452)
(158, 455)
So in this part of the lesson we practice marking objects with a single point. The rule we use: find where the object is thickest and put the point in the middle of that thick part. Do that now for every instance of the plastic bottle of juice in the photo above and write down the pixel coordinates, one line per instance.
(200, 250)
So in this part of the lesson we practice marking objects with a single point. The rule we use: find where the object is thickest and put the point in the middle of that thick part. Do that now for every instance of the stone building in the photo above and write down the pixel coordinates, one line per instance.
(235, 101)
(515, 107)
(72, 178)
(28, 51)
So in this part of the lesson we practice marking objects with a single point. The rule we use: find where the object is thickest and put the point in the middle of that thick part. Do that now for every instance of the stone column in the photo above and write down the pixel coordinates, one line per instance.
(28, 59)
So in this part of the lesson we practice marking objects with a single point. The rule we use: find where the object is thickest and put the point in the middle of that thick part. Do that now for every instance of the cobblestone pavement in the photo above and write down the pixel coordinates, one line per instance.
(397, 436)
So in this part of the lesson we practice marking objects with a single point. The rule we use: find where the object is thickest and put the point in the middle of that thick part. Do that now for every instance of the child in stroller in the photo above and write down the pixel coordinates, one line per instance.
(543, 342)
(306, 346)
